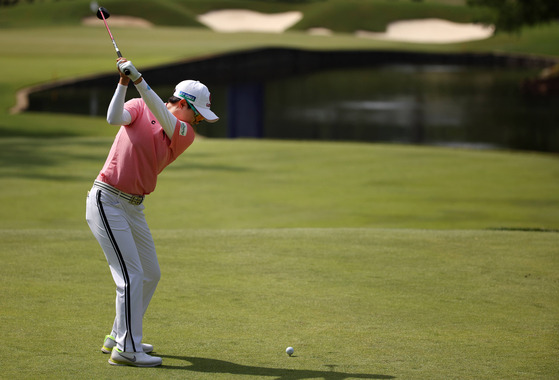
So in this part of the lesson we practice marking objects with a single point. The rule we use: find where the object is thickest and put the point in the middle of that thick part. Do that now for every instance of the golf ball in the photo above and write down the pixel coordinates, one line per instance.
(289, 351)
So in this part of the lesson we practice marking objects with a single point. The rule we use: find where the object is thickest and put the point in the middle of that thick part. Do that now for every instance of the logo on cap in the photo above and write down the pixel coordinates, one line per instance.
(187, 96)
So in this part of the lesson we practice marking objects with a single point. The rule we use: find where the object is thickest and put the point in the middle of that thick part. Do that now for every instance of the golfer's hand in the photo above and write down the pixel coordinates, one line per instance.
(124, 65)
(124, 80)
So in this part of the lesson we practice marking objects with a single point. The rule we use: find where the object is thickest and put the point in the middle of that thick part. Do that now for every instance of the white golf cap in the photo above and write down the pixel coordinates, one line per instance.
(199, 96)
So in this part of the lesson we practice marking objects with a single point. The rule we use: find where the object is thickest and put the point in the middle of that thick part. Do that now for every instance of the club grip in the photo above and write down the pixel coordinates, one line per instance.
(126, 71)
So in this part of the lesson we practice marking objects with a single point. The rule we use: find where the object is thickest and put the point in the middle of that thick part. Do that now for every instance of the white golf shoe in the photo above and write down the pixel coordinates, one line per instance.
(136, 359)
(110, 343)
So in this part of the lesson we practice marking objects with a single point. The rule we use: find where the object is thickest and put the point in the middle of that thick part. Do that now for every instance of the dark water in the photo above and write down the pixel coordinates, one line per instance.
(415, 104)
(419, 104)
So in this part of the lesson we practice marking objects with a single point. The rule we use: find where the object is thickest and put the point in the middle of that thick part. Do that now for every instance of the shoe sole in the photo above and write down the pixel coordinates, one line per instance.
(114, 362)
(106, 350)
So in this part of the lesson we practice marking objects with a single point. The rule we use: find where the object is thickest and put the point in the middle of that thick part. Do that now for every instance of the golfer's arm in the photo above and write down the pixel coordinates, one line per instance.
(157, 107)
(116, 114)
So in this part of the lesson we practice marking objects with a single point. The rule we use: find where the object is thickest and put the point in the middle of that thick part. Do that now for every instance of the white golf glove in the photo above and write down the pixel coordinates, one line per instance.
(134, 73)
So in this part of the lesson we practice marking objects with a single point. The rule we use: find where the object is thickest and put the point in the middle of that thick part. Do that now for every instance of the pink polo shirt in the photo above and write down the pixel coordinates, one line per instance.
(141, 150)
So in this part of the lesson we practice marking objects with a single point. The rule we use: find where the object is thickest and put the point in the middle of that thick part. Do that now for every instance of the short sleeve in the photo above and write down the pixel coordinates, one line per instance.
(183, 137)
(134, 107)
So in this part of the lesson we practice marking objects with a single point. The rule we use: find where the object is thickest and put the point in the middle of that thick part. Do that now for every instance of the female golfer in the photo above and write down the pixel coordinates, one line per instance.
(152, 135)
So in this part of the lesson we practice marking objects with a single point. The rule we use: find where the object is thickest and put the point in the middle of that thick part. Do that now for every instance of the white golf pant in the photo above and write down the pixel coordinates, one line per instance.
(122, 231)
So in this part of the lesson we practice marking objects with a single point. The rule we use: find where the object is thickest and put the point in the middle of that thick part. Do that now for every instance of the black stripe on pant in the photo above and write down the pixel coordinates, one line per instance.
(122, 268)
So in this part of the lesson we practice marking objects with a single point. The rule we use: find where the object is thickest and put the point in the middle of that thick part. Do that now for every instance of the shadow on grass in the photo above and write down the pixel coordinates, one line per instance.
(220, 366)
(33, 158)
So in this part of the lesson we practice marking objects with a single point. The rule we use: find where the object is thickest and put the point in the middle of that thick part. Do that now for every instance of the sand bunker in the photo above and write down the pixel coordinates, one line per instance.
(431, 31)
(419, 31)
(237, 20)
(118, 21)
(434, 31)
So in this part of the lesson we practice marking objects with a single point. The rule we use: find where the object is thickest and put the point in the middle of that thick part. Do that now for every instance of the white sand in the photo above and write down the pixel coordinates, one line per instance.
(420, 31)
(320, 32)
(118, 21)
(431, 31)
(238, 20)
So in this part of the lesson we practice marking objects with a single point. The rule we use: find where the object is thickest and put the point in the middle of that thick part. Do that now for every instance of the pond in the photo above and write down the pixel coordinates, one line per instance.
(413, 103)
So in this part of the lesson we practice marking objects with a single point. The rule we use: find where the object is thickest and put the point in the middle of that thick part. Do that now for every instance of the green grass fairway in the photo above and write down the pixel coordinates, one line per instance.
(274, 184)
(353, 302)
(373, 261)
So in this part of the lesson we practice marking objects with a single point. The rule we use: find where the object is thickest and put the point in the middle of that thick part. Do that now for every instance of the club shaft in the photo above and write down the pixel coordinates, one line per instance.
(118, 53)
(107, 26)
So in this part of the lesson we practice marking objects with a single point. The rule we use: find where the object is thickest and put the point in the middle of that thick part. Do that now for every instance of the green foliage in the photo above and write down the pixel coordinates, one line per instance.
(512, 15)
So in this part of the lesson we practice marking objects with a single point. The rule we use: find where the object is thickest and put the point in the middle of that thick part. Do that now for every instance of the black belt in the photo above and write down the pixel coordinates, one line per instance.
(133, 199)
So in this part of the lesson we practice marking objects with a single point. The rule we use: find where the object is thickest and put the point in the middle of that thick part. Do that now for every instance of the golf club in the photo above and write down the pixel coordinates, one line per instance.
(103, 14)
